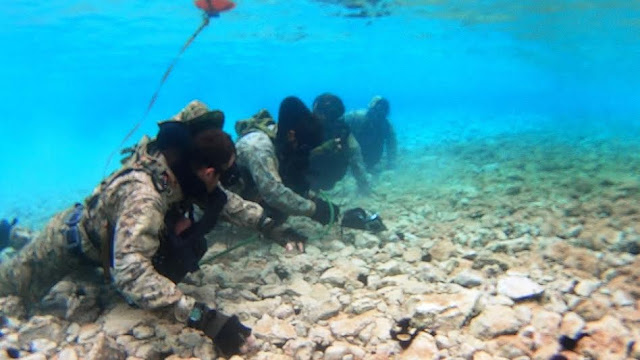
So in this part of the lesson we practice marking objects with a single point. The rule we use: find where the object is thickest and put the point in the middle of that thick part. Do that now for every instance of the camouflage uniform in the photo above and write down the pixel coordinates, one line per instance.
(373, 137)
(258, 163)
(121, 228)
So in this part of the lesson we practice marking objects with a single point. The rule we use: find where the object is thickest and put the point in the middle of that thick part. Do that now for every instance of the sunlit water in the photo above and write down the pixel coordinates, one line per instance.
(77, 75)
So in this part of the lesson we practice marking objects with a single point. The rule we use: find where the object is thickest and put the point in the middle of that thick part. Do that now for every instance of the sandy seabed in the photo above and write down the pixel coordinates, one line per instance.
(515, 247)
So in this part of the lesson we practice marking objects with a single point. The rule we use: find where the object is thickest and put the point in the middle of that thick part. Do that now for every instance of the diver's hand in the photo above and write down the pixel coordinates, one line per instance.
(324, 212)
(294, 240)
(331, 145)
(227, 332)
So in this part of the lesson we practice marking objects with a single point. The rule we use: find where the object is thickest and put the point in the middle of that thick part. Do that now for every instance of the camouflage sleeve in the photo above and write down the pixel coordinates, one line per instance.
(357, 164)
(241, 212)
(194, 109)
(138, 223)
(259, 158)
(391, 143)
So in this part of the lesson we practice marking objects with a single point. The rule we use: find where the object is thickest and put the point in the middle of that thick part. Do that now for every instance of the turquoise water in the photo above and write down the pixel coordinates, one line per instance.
(77, 75)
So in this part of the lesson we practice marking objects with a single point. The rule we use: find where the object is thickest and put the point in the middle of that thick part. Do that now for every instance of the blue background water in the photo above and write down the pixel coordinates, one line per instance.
(77, 75)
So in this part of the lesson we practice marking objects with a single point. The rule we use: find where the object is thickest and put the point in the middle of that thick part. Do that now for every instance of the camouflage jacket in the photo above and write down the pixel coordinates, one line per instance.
(256, 157)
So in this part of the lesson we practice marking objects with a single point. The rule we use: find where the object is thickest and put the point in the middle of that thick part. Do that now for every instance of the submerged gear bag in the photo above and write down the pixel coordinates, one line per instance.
(260, 121)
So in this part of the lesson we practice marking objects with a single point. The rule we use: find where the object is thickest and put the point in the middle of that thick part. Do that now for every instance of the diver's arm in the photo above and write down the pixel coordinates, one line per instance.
(258, 157)
(357, 164)
(138, 222)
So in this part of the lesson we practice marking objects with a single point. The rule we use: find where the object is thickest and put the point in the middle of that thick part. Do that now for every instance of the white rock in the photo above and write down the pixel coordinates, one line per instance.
(334, 276)
(389, 268)
(469, 278)
(587, 287)
(274, 330)
(519, 287)
(622, 298)
(68, 354)
(495, 321)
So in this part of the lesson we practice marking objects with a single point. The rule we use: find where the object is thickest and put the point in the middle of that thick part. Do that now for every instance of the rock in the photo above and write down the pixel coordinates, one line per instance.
(508, 347)
(321, 336)
(34, 357)
(469, 278)
(572, 232)
(41, 327)
(495, 321)
(344, 326)
(443, 250)
(284, 311)
(593, 308)
(142, 332)
(68, 354)
(73, 300)
(572, 257)
(105, 348)
(251, 308)
(274, 330)
(413, 254)
(12, 306)
(340, 350)
(365, 240)
(586, 287)
(511, 246)
(43, 346)
(423, 346)
(489, 259)
(300, 349)
(269, 291)
(334, 276)
(122, 319)
(546, 322)
(572, 325)
(442, 311)
(87, 332)
(390, 268)
(300, 286)
(519, 288)
(622, 298)
(363, 305)
(608, 339)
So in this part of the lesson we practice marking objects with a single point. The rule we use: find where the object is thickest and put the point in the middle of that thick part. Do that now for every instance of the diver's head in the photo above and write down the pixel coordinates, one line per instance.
(378, 108)
(175, 137)
(328, 107)
(298, 128)
(213, 158)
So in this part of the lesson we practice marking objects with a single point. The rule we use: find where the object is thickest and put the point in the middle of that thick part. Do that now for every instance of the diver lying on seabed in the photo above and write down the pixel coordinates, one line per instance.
(137, 226)
(273, 160)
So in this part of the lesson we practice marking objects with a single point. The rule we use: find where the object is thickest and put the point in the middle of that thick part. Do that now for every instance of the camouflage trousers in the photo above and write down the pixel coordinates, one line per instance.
(41, 263)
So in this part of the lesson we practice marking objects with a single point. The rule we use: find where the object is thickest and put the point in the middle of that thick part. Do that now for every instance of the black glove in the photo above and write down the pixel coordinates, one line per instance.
(357, 218)
(323, 211)
(227, 332)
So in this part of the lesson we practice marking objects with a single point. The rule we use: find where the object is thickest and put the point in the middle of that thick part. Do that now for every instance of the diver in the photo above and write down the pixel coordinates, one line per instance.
(340, 150)
(138, 225)
(274, 160)
(374, 132)
(6, 227)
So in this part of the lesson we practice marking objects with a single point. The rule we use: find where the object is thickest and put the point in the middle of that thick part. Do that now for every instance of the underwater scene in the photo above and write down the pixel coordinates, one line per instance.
(320, 179)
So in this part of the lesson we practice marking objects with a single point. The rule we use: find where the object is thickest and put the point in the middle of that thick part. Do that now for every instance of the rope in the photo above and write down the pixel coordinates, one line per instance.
(205, 22)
